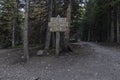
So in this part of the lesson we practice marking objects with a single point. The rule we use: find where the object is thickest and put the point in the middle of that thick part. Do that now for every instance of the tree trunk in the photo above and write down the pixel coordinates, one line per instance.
(53, 40)
(118, 25)
(25, 32)
(69, 21)
(14, 22)
(89, 34)
(108, 26)
(66, 37)
(112, 27)
(13, 34)
(48, 30)
(57, 43)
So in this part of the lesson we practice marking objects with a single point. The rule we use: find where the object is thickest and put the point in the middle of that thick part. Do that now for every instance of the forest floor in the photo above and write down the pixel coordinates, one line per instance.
(89, 61)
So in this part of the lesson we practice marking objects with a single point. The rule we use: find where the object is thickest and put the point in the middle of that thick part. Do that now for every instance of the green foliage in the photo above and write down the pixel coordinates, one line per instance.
(6, 22)
(77, 17)
(96, 17)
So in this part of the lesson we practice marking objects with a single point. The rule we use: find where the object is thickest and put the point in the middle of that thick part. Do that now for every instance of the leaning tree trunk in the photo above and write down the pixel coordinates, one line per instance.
(25, 32)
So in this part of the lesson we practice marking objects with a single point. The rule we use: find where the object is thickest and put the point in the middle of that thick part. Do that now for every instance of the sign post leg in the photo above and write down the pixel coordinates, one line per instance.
(57, 43)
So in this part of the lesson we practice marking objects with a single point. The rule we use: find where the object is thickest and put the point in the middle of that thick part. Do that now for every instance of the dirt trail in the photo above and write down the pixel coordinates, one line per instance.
(92, 62)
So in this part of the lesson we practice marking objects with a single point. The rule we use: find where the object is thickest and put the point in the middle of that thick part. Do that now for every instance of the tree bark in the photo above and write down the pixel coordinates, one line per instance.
(67, 32)
(48, 30)
(118, 25)
(13, 33)
(14, 22)
(108, 26)
(53, 40)
(112, 27)
(25, 32)
(57, 43)
(89, 34)
(69, 21)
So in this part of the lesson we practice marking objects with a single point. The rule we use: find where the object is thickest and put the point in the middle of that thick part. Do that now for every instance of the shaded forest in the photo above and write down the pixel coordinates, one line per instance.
(26, 22)
(102, 21)
(83, 43)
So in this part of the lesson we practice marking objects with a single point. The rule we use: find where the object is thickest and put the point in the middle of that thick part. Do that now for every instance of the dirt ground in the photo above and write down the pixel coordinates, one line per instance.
(90, 61)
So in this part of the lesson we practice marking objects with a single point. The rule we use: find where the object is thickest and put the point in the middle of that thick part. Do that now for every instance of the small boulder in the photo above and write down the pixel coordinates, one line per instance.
(42, 53)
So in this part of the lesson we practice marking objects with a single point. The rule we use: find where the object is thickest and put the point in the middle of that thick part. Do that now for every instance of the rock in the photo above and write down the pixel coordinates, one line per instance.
(42, 53)
(68, 70)
(22, 57)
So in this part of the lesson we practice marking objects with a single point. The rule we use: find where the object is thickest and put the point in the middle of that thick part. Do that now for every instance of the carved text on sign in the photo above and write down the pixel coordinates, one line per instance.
(58, 24)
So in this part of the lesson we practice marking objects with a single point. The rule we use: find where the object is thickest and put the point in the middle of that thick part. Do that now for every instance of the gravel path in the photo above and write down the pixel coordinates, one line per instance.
(89, 61)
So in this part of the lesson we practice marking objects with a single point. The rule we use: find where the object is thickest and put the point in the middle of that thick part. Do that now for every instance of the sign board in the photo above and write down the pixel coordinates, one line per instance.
(54, 19)
(58, 24)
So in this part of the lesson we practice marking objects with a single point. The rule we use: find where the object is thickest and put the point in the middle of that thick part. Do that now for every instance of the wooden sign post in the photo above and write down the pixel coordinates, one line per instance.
(58, 24)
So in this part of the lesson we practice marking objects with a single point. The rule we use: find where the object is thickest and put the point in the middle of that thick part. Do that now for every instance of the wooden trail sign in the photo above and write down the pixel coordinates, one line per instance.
(58, 24)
